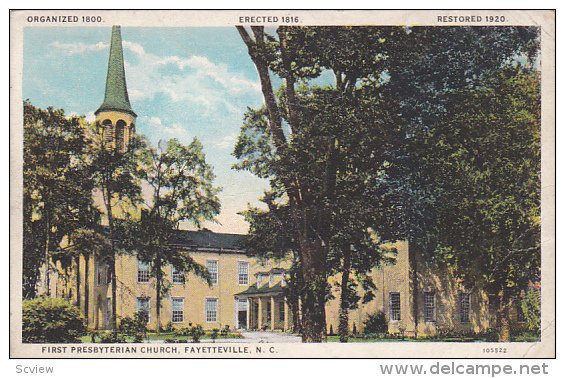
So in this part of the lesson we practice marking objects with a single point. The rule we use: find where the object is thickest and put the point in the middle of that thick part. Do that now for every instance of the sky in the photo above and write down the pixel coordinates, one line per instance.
(182, 82)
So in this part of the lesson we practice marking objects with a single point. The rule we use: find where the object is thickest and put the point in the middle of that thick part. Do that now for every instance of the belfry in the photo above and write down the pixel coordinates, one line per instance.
(115, 114)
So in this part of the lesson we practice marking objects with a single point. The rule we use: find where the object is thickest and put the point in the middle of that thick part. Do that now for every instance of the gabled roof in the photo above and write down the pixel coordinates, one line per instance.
(207, 239)
(272, 271)
(265, 289)
(116, 95)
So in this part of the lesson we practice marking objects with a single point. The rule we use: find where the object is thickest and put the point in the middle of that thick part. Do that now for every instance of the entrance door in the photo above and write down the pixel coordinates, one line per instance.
(242, 314)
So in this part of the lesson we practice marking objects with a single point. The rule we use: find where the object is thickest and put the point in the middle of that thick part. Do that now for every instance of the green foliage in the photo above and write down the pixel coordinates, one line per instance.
(109, 337)
(51, 320)
(531, 307)
(224, 332)
(196, 332)
(136, 326)
(376, 323)
(182, 190)
(168, 327)
(56, 188)
(214, 334)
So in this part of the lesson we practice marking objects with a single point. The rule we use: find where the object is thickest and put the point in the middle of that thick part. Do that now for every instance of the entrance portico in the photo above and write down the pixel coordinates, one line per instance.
(266, 306)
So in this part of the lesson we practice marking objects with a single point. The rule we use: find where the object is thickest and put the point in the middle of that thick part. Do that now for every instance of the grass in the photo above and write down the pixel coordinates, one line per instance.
(152, 336)
(526, 337)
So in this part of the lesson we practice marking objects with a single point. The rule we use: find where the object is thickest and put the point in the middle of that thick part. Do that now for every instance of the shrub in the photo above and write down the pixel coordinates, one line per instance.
(136, 327)
(214, 334)
(531, 307)
(376, 323)
(196, 332)
(168, 327)
(51, 320)
(184, 331)
(107, 337)
(225, 331)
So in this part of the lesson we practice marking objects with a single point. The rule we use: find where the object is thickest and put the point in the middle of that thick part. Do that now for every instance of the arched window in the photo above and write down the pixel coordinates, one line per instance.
(108, 131)
(120, 142)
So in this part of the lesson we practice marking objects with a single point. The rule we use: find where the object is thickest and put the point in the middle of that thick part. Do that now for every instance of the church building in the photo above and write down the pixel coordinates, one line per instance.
(247, 293)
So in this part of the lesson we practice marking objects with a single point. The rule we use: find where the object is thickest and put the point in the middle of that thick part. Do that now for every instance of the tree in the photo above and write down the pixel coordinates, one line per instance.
(306, 141)
(531, 308)
(393, 87)
(488, 192)
(465, 181)
(114, 173)
(56, 189)
(51, 320)
(182, 190)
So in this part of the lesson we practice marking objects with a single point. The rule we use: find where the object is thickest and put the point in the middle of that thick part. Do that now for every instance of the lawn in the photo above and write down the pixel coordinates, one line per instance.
(152, 336)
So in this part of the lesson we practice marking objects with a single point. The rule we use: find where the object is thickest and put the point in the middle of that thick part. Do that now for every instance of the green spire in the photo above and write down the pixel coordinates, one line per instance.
(116, 96)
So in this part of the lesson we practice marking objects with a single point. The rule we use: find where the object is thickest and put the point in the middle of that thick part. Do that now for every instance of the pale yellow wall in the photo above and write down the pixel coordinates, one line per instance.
(398, 278)
(194, 291)
(390, 278)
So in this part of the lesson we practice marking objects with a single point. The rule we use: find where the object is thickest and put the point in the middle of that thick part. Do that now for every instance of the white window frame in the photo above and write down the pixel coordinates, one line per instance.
(216, 311)
(145, 269)
(173, 310)
(137, 308)
(177, 277)
(243, 277)
(395, 316)
(214, 279)
(429, 307)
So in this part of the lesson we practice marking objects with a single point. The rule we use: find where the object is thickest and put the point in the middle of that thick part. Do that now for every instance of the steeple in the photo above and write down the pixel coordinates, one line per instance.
(116, 97)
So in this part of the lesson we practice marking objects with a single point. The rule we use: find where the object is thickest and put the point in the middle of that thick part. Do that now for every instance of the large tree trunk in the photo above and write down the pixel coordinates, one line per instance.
(158, 296)
(502, 316)
(113, 320)
(86, 287)
(413, 253)
(77, 283)
(311, 250)
(314, 293)
(344, 300)
(47, 256)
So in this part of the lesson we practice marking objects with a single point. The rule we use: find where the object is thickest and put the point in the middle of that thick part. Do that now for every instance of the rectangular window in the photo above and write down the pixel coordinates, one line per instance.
(394, 299)
(464, 307)
(212, 266)
(178, 276)
(243, 272)
(102, 273)
(269, 314)
(211, 310)
(108, 310)
(142, 272)
(281, 311)
(429, 306)
(177, 310)
(143, 305)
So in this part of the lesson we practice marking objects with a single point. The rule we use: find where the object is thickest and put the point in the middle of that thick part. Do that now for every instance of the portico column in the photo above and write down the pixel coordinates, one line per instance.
(259, 313)
(272, 313)
(247, 325)
(285, 327)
